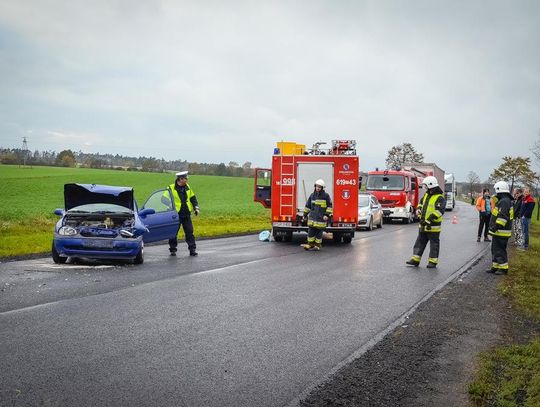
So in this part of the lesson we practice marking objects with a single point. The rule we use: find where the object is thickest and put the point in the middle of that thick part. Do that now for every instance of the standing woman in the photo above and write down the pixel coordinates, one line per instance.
(318, 210)
(516, 226)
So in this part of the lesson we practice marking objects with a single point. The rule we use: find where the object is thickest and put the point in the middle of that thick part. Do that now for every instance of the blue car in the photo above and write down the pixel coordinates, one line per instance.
(104, 222)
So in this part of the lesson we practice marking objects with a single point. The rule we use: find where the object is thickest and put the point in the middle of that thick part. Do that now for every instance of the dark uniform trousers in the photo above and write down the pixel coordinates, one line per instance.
(185, 222)
(422, 241)
(498, 252)
(315, 235)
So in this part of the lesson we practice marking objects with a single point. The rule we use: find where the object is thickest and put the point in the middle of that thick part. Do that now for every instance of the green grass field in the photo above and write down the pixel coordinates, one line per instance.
(509, 375)
(28, 197)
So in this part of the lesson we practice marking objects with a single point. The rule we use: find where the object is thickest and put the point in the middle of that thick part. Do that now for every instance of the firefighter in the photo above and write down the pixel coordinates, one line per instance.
(186, 202)
(430, 211)
(318, 210)
(500, 228)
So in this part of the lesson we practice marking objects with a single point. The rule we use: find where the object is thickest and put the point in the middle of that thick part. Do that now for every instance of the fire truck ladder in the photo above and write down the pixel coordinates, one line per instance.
(286, 189)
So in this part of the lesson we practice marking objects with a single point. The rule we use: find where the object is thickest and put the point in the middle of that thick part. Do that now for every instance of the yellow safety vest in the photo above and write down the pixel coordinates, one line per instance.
(429, 210)
(178, 201)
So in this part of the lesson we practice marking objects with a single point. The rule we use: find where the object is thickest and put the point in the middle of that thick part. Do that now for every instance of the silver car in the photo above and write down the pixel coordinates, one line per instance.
(369, 212)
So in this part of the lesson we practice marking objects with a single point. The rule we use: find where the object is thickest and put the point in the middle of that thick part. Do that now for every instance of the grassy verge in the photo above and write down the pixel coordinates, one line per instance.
(510, 375)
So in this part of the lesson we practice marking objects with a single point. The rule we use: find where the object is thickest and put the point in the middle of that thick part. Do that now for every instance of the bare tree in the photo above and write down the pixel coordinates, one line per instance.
(401, 154)
(536, 148)
(473, 179)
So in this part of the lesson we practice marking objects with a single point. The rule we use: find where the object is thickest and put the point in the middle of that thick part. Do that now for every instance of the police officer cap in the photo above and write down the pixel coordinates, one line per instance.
(182, 174)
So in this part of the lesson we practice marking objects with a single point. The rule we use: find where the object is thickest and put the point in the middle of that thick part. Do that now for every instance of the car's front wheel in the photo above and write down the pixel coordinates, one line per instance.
(56, 256)
(139, 259)
(370, 225)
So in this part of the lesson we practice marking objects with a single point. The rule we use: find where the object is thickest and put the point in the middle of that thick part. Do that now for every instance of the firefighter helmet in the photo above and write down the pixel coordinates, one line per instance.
(501, 186)
(430, 182)
(320, 183)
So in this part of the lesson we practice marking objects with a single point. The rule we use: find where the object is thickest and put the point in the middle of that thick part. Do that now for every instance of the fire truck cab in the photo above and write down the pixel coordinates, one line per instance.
(286, 187)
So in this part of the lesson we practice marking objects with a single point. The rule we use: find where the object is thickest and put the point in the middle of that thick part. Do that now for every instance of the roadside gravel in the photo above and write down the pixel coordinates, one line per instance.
(430, 359)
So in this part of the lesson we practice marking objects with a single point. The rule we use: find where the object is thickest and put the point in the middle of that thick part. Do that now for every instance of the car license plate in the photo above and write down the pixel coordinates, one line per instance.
(387, 212)
(282, 224)
(98, 243)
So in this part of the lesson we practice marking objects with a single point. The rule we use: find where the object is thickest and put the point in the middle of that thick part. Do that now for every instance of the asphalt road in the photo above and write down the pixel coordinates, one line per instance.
(246, 323)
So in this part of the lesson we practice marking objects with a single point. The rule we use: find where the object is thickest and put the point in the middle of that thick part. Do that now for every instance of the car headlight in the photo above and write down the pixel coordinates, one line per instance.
(401, 210)
(67, 231)
(363, 213)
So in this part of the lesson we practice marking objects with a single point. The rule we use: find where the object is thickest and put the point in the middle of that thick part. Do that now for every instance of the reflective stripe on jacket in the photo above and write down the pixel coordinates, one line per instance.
(318, 205)
(432, 207)
(178, 202)
(502, 216)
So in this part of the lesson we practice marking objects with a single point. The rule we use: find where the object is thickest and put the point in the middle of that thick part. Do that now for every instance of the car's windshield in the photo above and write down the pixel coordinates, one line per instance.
(100, 208)
(363, 201)
(387, 182)
(447, 187)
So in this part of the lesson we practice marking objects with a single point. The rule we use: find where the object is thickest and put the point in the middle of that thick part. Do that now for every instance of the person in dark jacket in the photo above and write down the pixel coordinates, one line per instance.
(430, 212)
(483, 205)
(185, 202)
(318, 211)
(500, 228)
(525, 214)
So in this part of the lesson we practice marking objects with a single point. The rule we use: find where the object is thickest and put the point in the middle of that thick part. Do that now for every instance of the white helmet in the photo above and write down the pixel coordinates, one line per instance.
(430, 182)
(501, 186)
(320, 183)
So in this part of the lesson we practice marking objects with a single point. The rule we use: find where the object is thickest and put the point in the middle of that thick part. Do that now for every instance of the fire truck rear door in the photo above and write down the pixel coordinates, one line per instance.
(306, 175)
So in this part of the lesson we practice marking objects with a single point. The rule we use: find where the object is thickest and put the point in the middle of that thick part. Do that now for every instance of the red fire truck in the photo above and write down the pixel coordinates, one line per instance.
(400, 191)
(286, 187)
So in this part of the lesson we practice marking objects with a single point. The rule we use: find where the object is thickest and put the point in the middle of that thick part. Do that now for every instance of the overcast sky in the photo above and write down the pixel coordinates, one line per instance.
(220, 81)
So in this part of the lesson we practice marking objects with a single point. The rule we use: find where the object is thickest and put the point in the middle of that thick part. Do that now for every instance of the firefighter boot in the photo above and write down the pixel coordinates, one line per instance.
(307, 246)
(317, 247)
(431, 265)
(412, 262)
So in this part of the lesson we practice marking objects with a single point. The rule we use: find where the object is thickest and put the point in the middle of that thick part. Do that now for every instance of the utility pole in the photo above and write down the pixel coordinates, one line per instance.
(24, 151)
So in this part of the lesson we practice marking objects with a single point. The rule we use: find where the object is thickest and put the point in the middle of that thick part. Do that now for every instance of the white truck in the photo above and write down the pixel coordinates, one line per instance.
(450, 191)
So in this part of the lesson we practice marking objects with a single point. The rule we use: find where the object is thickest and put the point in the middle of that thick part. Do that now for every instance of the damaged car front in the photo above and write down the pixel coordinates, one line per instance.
(99, 221)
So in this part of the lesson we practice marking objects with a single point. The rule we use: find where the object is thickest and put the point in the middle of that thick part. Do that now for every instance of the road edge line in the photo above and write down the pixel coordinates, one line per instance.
(382, 334)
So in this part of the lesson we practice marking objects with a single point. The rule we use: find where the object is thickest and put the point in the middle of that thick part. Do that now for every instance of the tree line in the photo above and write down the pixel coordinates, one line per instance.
(69, 158)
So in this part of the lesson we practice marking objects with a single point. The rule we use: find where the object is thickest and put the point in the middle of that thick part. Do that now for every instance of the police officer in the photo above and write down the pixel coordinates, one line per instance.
(318, 210)
(500, 227)
(186, 202)
(430, 211)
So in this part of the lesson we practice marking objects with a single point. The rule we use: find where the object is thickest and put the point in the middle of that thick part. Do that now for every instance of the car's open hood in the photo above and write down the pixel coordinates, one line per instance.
(82, 194)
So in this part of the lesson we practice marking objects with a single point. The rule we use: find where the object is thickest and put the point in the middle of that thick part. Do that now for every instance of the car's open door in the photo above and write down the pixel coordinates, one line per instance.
(263, 187)
(163, 224)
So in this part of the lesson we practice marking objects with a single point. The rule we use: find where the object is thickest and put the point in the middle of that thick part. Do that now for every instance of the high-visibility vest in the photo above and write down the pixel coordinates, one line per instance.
(505, 225)
(178, 201)
(428, 209)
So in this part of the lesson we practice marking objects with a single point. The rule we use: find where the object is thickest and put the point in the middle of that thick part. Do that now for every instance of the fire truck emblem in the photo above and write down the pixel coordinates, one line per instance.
(346, 194)
(346, 167)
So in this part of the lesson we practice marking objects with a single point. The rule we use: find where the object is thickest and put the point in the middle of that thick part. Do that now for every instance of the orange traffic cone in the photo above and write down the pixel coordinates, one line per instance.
(454, 219)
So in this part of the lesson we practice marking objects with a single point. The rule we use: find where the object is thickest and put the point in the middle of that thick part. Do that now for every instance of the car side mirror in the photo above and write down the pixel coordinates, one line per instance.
(59, 212)
(146, 211)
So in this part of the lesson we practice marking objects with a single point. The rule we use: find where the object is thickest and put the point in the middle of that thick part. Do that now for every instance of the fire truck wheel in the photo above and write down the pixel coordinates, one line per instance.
(347, 239)
(278, 238)
(336, 237)
(288, 237)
